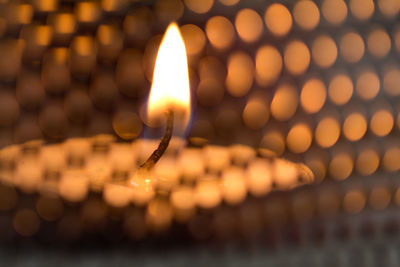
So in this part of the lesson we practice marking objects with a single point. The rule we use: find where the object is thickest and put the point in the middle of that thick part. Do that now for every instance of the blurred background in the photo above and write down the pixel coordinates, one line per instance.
(314, 82)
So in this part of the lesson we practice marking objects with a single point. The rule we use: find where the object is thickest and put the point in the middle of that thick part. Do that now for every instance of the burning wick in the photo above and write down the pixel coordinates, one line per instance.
(156, 155)
(169, 96)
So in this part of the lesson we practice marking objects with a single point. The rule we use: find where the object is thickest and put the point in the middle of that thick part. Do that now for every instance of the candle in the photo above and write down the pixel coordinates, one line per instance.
(169, 97)
(197, 186)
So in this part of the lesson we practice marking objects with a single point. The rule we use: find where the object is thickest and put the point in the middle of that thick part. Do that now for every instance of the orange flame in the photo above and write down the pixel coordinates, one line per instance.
(170, 88)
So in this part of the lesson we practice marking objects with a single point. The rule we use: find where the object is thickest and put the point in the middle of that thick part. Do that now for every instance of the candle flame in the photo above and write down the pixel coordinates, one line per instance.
(170, 88)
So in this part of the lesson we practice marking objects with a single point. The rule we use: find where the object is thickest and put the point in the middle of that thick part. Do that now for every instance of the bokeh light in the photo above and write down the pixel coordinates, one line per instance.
(362, 9)
(340, 89)
(389, 8)
(367, 161)
(110, 43)
(259, 177)
(352, 47)
(286, 174)
(355, 126)
(396, 38)
(354, 201)
(229, 2)
(368, 85)
(233, 185)
(306, 14)
(87, 12)
(274, 141)
(217, 158)
(313, 95)
(113, 5)
(18, 14)
(327, 132)
(324, 51)
(379, 43)
(379, 198)
(256, 113)
(63, 24)
(159, 215)
(391, 159)
(382, 122)
(284, 103)
(45, 5)
(83, 57)
(29, 175)
(299, 138)
(26, 222)
(240, 74)
(194, 38)
(182, 199)
(49, 208)
(137, 25)
(278, 19)
(73, 186)
(318, 166)
(167, 174)
(249, 25)
(268, 65)
(334, 11)
(391, 81)
(296, 57)
(341, 165)
(207, 193)
(242, 154)
(127, 125)
(199, 7)
(220, 32)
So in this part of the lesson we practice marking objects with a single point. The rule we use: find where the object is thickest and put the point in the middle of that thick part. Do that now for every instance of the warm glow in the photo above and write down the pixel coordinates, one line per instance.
(327, 132)
(334, 11)
(170, 88)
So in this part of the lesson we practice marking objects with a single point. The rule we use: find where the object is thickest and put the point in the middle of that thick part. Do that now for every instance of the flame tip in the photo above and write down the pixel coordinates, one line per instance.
(170, 88)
